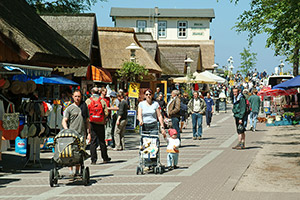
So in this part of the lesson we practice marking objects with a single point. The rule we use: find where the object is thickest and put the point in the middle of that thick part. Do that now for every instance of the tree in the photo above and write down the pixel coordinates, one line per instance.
(248, 61)
(280, 20)
(61, 6)
(131, 72)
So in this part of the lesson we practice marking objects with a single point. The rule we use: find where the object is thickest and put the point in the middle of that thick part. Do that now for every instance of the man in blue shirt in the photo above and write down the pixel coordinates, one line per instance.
(209, 108)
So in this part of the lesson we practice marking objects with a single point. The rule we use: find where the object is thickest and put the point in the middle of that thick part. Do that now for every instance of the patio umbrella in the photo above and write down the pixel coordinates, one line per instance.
(196, 78)
(292, 83)
(218, 79)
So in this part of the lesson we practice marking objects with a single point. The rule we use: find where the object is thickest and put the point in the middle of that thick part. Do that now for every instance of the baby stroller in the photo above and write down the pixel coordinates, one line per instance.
(68, 153)
(149, 154)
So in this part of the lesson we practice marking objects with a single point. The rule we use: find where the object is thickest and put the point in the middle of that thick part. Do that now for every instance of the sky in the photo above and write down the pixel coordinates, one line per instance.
(227, 41)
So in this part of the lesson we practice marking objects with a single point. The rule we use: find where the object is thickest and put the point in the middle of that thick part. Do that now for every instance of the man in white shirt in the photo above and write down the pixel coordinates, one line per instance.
(197, 108)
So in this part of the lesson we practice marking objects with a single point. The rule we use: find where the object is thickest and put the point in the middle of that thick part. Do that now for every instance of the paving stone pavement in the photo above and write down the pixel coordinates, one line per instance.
(208, 169)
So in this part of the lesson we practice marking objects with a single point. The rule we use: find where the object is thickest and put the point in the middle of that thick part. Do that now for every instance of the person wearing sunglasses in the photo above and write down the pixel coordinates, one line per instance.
(149, 114)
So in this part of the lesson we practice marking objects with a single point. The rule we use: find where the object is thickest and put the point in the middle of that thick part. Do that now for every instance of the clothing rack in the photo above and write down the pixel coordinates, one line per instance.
(4, 98)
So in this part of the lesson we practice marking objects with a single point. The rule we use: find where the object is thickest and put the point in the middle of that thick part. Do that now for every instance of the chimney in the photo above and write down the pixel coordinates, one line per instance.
(156, 11)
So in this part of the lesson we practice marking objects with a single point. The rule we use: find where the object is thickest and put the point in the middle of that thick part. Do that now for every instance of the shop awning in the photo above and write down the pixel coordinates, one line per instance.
(292, 83)
(11, 70)
(42, 80)
(55, 80)
(28, 70)
(277, 92)
(98, 74)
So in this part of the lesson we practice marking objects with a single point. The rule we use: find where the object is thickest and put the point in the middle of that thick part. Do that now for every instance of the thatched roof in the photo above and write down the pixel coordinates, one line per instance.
(113, 43)
(76, 28)
(81, 31)
(151, 46)
(20, 23)
(201, 54)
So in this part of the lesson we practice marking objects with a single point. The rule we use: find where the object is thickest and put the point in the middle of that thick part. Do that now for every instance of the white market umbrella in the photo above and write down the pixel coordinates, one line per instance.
(218, 79)
(197, 78)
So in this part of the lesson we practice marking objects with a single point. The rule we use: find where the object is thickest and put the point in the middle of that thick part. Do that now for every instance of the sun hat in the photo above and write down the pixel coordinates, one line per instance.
(6, 84)
(31, 86)
(16, 87)
(2, 82)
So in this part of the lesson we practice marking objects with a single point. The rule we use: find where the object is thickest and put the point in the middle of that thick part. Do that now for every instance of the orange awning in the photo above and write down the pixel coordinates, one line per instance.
(98, 74)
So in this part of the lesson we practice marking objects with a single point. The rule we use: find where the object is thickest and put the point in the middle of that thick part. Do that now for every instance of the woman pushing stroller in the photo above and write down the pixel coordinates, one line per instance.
(149, 114)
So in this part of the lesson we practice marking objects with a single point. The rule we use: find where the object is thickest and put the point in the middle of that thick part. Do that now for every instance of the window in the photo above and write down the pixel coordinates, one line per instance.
(182, 26)
(141, 26)
(162, 28)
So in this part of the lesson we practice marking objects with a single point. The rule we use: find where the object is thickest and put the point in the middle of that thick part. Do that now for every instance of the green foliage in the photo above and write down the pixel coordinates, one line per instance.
(248, 61)
(280, 20)
(61, 6)
(131, 72)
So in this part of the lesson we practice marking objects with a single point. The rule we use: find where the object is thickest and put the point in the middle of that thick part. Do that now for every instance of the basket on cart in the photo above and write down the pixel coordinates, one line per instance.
(149, 154)
(69, 152)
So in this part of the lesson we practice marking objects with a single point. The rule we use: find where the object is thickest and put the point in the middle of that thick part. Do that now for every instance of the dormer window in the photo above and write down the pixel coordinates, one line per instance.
(182, 29)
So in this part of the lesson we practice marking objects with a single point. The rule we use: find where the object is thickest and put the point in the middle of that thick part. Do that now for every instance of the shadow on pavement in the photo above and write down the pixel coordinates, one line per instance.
(189, 145)
(254, 147)
(9, 166)
(208, 138)
(289, 155)
(278, 143)
(102, 176)
(7, 181)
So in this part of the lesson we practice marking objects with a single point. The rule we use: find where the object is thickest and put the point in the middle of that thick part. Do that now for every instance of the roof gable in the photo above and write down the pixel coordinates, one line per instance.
(20, 23)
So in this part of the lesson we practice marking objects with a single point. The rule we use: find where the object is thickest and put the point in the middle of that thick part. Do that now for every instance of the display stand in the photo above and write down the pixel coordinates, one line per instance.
(34, 152)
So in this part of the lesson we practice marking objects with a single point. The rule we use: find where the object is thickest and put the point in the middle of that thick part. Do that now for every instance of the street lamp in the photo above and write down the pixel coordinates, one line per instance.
(188, 69)
(188, 64)
(230, 64)
(281, 65)
(132, 47)
(215, 66)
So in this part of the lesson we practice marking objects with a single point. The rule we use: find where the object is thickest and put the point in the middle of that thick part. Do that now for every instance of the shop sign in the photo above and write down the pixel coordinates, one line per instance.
(134, 90)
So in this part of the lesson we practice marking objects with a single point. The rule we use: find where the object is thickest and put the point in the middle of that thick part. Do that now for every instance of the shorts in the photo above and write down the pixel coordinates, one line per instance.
(237, 124)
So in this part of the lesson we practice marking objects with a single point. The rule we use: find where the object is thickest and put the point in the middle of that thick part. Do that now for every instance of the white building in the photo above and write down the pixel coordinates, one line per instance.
(186, 30)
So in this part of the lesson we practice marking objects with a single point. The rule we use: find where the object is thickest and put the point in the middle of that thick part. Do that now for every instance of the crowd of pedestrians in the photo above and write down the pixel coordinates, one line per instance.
(104, 118)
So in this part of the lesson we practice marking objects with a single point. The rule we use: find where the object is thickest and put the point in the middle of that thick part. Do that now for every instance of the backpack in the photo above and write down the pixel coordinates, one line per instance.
(247, 106)
(96, 110)
(183, 109)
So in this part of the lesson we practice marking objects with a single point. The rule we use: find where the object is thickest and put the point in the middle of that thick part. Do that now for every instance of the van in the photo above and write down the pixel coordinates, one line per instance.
(276, 79)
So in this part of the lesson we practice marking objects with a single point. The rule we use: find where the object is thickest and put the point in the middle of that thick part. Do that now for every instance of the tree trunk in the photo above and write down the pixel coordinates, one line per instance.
(296, 60)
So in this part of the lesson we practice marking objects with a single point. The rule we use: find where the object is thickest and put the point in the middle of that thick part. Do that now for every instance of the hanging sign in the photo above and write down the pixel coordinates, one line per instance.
(134, 90)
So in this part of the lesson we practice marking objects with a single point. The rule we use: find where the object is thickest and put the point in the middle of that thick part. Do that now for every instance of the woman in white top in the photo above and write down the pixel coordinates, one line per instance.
(149, 113)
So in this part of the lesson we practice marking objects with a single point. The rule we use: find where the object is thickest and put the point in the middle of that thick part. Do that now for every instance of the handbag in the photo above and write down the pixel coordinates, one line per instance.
(10, 120)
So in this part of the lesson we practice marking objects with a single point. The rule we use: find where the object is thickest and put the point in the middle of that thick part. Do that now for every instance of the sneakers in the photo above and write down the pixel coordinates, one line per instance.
(239, 146)
(208, 126)
(175, 167)
(199, 138)
(194, 138)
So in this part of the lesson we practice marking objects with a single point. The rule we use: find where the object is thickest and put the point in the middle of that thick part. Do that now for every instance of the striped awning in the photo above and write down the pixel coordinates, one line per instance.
(98, 74)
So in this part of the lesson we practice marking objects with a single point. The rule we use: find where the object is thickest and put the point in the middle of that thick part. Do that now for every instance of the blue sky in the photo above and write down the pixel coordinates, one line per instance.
(227, 41)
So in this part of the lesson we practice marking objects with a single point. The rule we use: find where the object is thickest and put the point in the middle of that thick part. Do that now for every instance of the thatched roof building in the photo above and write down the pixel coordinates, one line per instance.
(113, 42)
(81, 31)
(42, 44)
(201, 52)
(151, 46)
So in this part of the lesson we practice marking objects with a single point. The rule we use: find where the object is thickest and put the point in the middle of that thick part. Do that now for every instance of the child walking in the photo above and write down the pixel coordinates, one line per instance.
(172, 149)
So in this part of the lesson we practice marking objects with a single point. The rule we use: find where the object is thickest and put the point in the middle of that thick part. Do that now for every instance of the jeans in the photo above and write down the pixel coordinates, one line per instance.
(208, 117)
(253, 117)
(175, 124)
(172, 158)
(197, 117)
